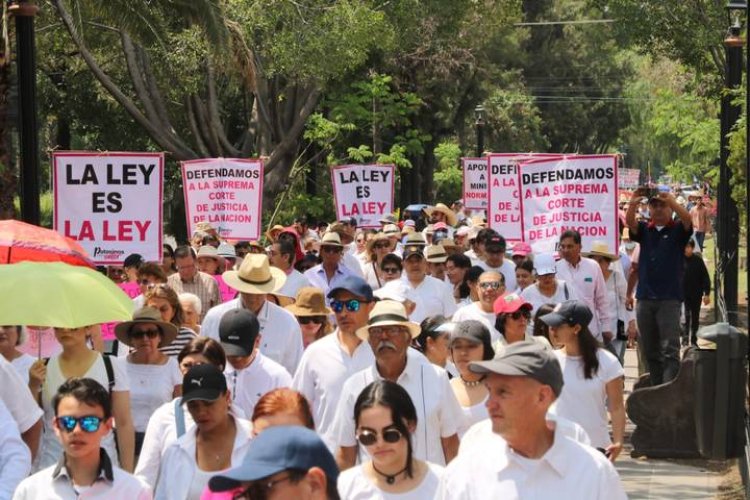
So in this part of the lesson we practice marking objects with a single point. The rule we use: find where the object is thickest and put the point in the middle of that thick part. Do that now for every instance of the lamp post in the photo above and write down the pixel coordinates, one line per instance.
(479, 124)
(728, 215)
(24, 12)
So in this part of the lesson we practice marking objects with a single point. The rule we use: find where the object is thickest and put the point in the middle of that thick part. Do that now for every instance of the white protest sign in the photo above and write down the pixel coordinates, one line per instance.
(575, 192)
(504, 204)
(475, 183)
(111, 203)
(364, 192)
(225, 192)
(628, 178)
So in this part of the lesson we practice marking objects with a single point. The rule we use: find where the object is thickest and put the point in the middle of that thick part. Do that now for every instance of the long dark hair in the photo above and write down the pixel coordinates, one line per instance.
(588, 345)
(429, 328)
(390, 395)
(540, 327)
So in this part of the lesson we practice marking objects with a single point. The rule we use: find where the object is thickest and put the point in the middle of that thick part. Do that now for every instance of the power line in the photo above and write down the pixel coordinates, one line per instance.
(554, 23)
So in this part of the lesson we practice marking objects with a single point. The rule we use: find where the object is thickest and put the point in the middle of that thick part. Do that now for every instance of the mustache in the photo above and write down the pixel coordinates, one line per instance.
(385, 344)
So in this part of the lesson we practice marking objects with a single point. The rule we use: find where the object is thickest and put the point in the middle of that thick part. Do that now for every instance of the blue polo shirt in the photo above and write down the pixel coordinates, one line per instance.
(661, 263)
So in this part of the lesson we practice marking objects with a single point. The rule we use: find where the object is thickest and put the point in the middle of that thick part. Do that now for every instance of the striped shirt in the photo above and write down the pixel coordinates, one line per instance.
(184, 336)
(203, 285)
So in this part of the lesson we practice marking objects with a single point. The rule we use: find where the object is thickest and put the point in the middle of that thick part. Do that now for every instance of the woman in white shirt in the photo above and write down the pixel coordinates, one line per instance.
(377, 248)
(547, 289)
(155, 378)
(470, 341)
(11, 337)
(385, 418)
(432, 341)
(216, 443)
(593, 378)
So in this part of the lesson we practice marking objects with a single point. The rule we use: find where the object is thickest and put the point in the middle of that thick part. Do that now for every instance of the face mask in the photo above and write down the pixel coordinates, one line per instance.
(630, 245)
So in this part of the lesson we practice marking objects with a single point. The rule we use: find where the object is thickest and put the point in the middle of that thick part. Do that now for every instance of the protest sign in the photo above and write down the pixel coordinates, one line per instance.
(628, 178)
(475, 183)
(225, 192)
(111, 203)
(574, 192)
(503, 204)
(364, 192)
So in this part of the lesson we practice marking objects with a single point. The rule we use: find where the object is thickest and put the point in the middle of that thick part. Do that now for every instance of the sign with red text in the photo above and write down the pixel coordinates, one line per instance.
(628, 178)
(226, 193)
(475, 183)
(503, 203)
(111, 203)
(574, 192)
(364, 192)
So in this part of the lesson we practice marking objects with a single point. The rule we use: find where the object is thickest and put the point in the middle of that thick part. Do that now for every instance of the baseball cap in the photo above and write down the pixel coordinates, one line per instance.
(413, 250)
(495, 242)
(277, 449)
(510, 303)
(521, 248)
(203, 382)
(545, 264)
(440, 226)
(463, 231)
(238, 330)
(525, 359)
(572, 312)
(354, 285)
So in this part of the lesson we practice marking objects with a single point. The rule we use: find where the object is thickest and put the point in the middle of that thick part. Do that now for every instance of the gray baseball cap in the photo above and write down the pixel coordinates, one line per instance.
(572, 312)
(525, 359)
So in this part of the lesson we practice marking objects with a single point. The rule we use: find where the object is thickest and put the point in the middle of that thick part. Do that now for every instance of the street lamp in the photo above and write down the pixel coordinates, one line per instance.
(479, 124)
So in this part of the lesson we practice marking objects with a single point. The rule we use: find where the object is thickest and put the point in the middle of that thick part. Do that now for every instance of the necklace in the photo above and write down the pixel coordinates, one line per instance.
(389, 478)
(472, 383)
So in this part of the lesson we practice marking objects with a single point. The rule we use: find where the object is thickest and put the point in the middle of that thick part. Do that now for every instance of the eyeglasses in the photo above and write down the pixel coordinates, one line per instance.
(369, 438)
(259, 490)
(391, 270)
(386, 330)
(521, 313)
(330, 249)
(495, 285)
(306, 320)
(89, 423)
(352, 305)
(139, 334)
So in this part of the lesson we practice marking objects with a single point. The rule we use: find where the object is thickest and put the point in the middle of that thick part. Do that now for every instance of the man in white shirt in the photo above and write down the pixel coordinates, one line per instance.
(585, 276)
(330, 272)
(494, 260)
(390, 334)
(15, 457)
(21, 405)
(431, 295)
(281, 337)
(282, 254)
(491, 285)
(249, 374)
(532, 461)
(328, 362)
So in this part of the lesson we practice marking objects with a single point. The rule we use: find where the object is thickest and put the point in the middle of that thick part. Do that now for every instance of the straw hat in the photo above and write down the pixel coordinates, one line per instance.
(376, 238)
(442, 208)
(273, 232)
(208, 251)
(478, 221)
(449, 244)
(146, 315)
(388, 313)
(601, 249)
(331, 239)
(255, 275)
(391, 230)
(310, 302)
(436, 254)
(415, 238)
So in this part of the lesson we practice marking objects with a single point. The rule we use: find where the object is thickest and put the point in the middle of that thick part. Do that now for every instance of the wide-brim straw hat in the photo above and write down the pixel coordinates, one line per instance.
(600, 249)
(388, 313)
(375, 239)
(255, 275)
(147, 315)
(273, 232)
(444, 209)
(210, 252)
(310, 302)
(331, 239)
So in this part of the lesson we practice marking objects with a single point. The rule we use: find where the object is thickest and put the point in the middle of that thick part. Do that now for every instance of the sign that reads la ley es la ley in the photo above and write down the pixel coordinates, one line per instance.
(111, 203)
(364, 192)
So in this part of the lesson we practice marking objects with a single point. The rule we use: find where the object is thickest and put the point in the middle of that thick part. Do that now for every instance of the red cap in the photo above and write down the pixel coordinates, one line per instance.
(439, 225)
(510, 303)
(521, 248)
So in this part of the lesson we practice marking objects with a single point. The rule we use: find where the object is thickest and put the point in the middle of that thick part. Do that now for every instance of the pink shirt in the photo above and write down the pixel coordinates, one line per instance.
(588, 281)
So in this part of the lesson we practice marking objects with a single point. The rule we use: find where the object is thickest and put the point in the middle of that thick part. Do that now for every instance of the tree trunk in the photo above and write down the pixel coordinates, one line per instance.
(8, 174)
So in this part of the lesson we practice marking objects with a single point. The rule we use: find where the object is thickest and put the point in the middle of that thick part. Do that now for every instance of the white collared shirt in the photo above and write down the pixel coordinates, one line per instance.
(248, 385)
(321, 374)
(568, 469)
(432, 297)
(15, 457)
(588, 281)
(17, 397)
(281, 337)
(438, 412)
(294, 281)
(474, 311)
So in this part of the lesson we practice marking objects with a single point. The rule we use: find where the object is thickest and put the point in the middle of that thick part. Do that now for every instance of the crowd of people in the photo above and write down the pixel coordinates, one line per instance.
(427, 358)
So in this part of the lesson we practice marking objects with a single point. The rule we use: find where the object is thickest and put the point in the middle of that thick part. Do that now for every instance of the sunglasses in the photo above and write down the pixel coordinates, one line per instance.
(391, 270)
(306, 320)
(495, 285)
(88, 423)
(351, 305)
(521, 313)
(139, 334)
(369, 438)
(381, 245)
(329, 249)
(259, 490)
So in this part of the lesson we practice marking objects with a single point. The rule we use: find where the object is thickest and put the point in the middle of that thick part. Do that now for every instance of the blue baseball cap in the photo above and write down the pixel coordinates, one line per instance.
(354, 285)
(277, 449)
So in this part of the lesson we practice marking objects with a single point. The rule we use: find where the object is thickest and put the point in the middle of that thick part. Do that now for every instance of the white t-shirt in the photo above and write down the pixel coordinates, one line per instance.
(432, 297)
(472, 415)
(474, 311)
(150, 387)
(22, 364)
(20, 402)
(51, 449)
(533, 296)
(248, 385)
(507, 269)
(583, 400)
(354, 485)
(324, 368)
(294, 281)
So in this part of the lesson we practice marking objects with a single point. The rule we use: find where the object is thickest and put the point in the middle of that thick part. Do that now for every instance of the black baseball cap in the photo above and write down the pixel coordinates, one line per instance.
(495, 242)
(410, 250)
(203, 382)
(238, 330)
(572, 312)
(354, 285)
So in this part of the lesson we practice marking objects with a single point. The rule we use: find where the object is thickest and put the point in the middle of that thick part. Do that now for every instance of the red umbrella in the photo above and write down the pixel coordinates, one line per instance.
(25, 242)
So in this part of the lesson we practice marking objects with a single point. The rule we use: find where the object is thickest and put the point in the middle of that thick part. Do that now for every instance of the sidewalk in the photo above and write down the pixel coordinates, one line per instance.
(646, 478)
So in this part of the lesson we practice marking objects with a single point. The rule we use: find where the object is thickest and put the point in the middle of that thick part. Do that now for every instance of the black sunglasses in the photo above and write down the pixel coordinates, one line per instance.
(306, 320)
(369, 438)
(139, 334)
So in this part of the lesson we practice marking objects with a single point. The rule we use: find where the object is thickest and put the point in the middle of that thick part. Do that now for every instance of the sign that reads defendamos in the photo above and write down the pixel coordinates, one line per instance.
(225, 192)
